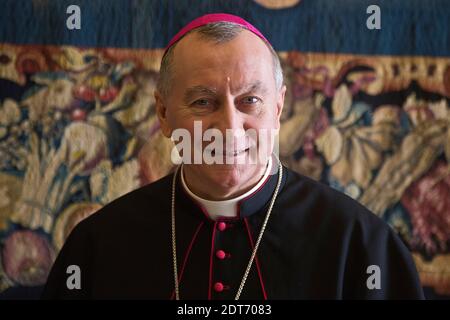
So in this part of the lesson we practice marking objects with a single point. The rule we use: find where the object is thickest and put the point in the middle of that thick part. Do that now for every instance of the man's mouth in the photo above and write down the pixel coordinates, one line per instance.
(231, 153)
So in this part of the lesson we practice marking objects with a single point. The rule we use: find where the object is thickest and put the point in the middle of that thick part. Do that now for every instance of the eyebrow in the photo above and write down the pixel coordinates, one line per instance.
(255, 86)
(197, 90)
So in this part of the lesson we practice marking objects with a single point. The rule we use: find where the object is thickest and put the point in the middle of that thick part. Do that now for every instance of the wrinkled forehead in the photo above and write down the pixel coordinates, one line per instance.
(240, 58)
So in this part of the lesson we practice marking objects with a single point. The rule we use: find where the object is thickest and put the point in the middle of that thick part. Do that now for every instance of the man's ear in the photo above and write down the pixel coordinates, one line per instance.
(280, 103)
(161, 112)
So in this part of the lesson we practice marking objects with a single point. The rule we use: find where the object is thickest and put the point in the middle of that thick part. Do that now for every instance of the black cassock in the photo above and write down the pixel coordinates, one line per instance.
(318, 244)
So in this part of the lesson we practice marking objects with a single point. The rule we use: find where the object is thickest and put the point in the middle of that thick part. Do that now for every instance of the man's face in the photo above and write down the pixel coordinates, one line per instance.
(225, 86)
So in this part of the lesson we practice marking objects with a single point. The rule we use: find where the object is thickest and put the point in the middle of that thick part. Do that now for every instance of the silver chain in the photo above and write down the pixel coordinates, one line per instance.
(255, 249)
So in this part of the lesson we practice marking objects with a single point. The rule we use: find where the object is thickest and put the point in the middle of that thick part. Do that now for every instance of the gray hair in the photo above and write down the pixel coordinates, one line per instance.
(218, 32)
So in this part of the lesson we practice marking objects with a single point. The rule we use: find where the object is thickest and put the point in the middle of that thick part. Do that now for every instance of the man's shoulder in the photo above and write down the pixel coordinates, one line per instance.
(324, 203)
(136, 206)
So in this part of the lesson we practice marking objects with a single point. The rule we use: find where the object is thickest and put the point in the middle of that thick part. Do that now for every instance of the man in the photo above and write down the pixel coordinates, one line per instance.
(233, 228)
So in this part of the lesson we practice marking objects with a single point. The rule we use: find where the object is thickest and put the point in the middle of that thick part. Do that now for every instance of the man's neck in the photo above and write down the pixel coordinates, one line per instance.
(228, 207)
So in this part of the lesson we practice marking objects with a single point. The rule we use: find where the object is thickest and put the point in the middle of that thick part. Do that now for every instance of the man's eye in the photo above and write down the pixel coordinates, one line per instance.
(250, 100)
(201, 102)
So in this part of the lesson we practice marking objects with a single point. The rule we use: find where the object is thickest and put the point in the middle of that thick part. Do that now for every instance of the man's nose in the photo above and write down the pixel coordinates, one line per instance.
(229, 118)
(231, 123)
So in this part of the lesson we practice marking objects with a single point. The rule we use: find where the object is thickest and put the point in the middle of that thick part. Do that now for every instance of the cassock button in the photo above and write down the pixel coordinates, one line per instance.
(218, 287)
(220, 254)
(222, 226)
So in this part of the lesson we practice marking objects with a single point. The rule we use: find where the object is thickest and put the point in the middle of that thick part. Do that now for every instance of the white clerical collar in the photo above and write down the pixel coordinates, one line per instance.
(225, 208)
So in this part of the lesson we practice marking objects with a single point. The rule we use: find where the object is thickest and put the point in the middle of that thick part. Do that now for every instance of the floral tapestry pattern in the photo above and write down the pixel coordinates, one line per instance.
(78, 129)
